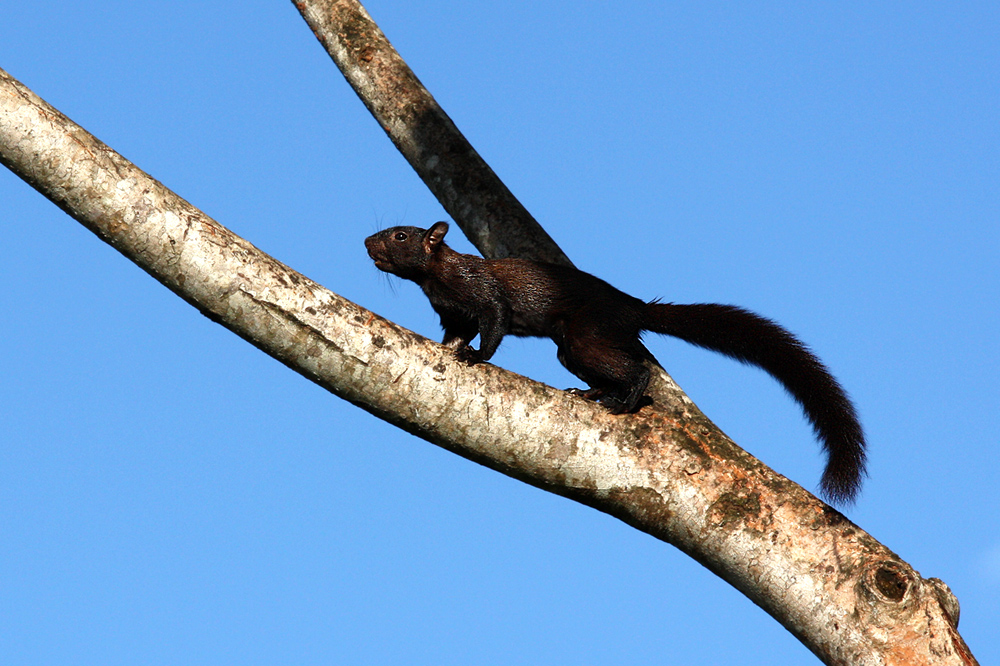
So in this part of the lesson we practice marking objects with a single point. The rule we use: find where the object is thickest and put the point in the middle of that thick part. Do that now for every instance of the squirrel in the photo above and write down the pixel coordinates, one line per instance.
(598, 328)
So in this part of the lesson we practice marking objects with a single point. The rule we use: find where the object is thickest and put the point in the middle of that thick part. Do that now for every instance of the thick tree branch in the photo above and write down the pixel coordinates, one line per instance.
(671, 473)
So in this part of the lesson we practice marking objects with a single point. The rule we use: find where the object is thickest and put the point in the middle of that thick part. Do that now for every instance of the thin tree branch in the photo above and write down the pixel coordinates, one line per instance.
(491, 217)
(671, 473)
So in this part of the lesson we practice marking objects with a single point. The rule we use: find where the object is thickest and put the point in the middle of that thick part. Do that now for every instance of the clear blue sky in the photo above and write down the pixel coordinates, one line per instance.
(168, 494)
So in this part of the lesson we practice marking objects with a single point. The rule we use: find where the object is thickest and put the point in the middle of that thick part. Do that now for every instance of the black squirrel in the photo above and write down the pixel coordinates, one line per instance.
(597, 329)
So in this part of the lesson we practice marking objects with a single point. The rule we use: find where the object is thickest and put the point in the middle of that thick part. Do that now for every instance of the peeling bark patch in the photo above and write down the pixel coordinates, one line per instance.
(561, 450)
(638, 506)
(355, 34)
(644, 432)
(734, 509)
(693, 446)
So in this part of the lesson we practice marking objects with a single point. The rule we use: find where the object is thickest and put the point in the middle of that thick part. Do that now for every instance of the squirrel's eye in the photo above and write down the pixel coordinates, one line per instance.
(400, 236)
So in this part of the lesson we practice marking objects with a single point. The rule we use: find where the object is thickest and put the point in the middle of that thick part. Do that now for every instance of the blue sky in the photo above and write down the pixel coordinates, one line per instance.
(169, 494)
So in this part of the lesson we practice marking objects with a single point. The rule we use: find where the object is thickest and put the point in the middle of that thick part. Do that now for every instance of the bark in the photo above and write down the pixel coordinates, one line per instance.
(670, 473)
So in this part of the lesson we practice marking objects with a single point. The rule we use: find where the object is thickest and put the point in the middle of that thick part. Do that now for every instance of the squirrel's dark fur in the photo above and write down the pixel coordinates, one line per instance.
(597, 329)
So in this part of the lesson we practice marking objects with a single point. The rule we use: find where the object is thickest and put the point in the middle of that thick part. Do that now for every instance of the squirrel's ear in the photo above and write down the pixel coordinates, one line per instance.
(435, 235)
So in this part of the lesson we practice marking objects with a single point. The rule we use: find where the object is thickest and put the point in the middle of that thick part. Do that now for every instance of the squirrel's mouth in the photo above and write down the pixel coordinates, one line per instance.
(373, 254)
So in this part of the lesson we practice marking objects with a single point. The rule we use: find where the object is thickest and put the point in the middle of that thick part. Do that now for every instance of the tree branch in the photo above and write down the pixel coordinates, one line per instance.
(482, 206)
(669, 473)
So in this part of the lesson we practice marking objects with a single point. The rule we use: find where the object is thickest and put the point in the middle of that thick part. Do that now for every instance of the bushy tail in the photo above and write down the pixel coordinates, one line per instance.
(752, 339)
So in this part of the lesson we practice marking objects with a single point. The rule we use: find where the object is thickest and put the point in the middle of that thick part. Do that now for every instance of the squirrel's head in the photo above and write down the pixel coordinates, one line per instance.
(406, 251)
